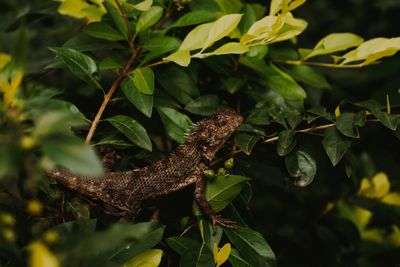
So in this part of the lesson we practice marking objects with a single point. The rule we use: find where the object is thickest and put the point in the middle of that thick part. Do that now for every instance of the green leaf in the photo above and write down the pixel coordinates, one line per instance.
(143, 79)
(252, 246)
(148, 258)
(193, 18)
(149, 18)
(81, 65)
(205, 105)
(221, 191)
(302, 166)
(145, 242)
(192, 252)
(110, 63)
(388, 120)
(345, 123)
(335, 42)
(229, 6)
(286, 142)
(158, 46)
(181, 244)
(308, 75)
(176, 123)
(143, 102)
(245, 142)
(222, 27)
(102, 30)
(79, 210)
(180, 57)
(144, 5)
(178, 84)
(230, 48)
(236, 259)
(335, 144)
(284, 84)
(73, 154)
(117, 18)
(132, 129)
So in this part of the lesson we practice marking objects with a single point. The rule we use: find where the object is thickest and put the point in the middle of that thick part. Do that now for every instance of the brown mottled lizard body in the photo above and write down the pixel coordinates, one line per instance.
(125, 190)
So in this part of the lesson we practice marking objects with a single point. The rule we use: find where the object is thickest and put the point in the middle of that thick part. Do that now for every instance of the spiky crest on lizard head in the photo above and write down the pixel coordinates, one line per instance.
(211, 133)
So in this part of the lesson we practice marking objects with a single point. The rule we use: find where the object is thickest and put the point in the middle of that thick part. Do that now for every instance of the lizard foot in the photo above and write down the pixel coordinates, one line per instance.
(218, 220)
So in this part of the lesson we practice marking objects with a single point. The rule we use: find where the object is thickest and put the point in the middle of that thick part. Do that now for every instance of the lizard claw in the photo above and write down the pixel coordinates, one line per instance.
(218, 220)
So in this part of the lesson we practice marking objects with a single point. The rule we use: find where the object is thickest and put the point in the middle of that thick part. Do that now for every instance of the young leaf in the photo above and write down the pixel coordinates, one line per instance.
(197, 37)
(73, 154)
(132, 129)
(205, 105)
(230, 48)
(221, 28)
(252, 246)
(81, 65)
(176, 123)
(301, 166)
(180, 57)
(40, 255)
(143, 102)
(148, 258)
(143, 79)
(102, 30)
(335, 144)
(335, 42)
(286, 142)
(149, 18)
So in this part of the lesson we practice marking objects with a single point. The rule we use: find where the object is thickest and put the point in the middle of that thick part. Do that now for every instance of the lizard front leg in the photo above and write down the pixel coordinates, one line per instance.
(199, 195)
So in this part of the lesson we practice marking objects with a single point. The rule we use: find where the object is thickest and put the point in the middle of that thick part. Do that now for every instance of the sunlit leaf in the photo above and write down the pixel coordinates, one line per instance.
(148, 258)
(4, 59)
(144, 5)
(132, 129)
(82, 9)
(180, 57)
(230, 48)
(41, 256)
(197, 37)
(392, 199)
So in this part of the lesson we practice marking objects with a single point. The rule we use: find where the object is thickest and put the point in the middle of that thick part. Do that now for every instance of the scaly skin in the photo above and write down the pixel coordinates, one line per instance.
(125, 190)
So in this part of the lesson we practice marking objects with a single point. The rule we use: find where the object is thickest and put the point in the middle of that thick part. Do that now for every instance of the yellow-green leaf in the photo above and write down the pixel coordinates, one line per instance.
(4, 59)
(392, 199)
(180, 57)
(223, 254)
(144, 6)
(388, 110)
(372, 50)
(41, 256)
(275, 7)
(215, 252)
(231, 48)
(335, 42)
(221, 28)
(381, 184)
(197, 37)
(149, 258)
(337, 111)
(82, 9)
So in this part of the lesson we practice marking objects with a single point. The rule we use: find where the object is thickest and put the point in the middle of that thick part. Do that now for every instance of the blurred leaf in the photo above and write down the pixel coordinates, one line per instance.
(286, 142)
(308, 75)
(193, 18)
(176, 123)
(132, 129)
(334, 42)
(252, 246)
(229, 6)
(58, 121)
(110, 63)
(81, 65)
(79, 210)
(335, 144)
(41, 256)
(222, 254)
(392, 199)
(4, 59)
(102, 30)
(143, 79)
(149, 18)
(148, 258)
(233, 84)
(80, 9)
(144, 5)
(205, 105)
(236, 260)
(71, 153)
(302, 166)
(117, 18)
(143, 102)
(245, 141)
(9, 159)
(147, 241)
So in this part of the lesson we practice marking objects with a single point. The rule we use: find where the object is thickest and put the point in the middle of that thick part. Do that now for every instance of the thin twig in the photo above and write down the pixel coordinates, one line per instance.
(156, 64)
(186, 230)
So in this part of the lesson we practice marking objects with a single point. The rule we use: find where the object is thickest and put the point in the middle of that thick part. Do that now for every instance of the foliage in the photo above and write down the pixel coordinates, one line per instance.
(134, 76)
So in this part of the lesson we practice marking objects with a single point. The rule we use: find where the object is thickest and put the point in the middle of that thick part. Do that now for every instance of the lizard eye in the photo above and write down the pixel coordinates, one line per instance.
(220, 120)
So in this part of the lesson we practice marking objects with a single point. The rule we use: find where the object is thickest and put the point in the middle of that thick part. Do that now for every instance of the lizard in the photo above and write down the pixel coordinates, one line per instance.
(125, 190)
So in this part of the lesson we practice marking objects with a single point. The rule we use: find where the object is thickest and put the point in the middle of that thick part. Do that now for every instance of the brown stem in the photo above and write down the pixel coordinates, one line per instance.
(108, 96)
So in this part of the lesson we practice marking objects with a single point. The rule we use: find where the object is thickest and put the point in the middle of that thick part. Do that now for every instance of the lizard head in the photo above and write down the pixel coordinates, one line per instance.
(211, 133)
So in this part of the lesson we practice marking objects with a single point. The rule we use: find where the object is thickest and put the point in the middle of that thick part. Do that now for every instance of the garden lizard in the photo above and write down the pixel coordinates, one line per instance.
(125, 190)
